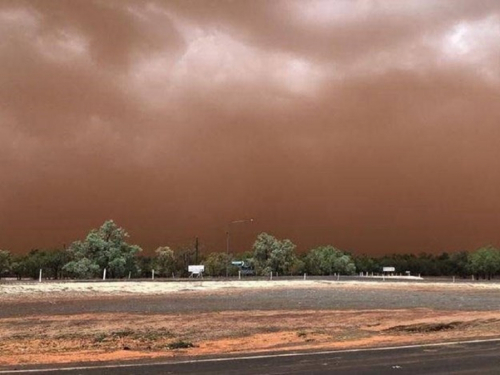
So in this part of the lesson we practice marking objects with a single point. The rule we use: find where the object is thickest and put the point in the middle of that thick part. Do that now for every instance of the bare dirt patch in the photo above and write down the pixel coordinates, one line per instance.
(103, 337)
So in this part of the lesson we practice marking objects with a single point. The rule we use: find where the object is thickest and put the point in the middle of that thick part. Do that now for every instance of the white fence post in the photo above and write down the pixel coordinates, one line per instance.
(104, 274)
(152, 274)
(40, 276)
(305, 275)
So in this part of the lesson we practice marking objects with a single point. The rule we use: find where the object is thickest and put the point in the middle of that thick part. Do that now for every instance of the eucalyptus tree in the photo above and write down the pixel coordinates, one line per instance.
(5, 262)
(273, 255)
(103, 248)
(216, 263)
(164, 261)
(485, 262)
(327, 260)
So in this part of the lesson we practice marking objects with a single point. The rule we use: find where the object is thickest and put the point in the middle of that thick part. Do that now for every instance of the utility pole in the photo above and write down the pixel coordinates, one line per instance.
(227, 239)
(227, 252)
(196, 251)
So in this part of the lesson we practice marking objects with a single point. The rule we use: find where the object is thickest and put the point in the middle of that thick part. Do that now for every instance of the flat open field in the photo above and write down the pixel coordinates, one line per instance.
(100, 321)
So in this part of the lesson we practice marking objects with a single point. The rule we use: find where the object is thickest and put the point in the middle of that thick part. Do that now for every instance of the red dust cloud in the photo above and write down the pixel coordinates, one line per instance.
(369, 125)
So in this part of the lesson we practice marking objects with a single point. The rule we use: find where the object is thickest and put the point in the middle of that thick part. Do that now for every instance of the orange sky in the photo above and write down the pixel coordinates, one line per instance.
(370, 125)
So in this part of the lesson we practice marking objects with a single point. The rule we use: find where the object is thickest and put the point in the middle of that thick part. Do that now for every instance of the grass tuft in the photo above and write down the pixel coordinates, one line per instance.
(180, 344)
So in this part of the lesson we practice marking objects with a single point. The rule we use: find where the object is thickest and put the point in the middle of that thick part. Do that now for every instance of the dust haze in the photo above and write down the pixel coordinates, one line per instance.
(369, 125)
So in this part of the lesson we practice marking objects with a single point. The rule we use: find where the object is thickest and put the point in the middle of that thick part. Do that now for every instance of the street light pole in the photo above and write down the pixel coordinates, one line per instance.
(227, 240)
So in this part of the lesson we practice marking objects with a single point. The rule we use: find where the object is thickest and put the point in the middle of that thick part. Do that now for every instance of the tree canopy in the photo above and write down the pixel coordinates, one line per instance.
(216, 264)
(273, 255)
(103, 248)
(5, 260)
(165, 261)
(327, 260)
(485, 261)
(106, 248)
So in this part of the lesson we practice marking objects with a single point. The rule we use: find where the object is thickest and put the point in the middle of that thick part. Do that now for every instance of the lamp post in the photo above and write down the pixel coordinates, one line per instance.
(227, 239)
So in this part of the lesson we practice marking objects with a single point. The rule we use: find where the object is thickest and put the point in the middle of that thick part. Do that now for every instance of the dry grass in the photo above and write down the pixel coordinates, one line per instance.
(94, 337)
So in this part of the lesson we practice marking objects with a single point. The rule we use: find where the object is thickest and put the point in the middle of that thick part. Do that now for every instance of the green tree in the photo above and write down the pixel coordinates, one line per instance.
(298, 267)
(444, 265)
(184, 256)
(103, 248)
(145, 265)
(53, 263)
(365, 263)
(326, 260)
(401, 262)
(460, 263)
(30, 264)
(216, 263)
(5, 262)
(429, 264)
(17, 266)
(264, 245)
(485, 262)
(164, 261)
(273, 255)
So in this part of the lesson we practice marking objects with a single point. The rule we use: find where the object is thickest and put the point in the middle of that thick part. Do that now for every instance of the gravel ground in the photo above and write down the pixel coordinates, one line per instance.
(288, 298)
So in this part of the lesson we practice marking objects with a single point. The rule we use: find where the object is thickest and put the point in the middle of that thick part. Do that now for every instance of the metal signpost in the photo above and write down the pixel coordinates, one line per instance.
(227, 239)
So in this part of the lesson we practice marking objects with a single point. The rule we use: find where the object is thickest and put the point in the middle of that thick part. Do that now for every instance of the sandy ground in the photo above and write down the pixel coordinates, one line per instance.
(98, 336)
(103, 337)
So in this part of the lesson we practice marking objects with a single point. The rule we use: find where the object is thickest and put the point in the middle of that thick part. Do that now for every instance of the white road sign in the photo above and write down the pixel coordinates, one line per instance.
(196, 269)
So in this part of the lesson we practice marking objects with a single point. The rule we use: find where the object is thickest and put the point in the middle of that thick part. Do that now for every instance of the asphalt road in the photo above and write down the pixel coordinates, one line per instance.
(463, 358)
(271, 299)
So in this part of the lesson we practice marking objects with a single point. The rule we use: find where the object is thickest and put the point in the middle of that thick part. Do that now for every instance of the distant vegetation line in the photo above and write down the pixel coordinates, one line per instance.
(106, 248)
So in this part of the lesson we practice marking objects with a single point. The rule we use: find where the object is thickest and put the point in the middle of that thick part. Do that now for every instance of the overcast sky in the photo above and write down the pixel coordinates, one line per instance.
(370, 125)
